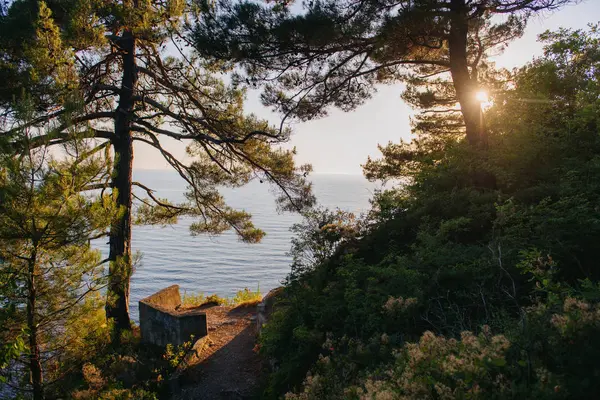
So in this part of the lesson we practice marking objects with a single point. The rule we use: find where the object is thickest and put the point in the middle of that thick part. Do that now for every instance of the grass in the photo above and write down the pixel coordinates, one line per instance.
(246, 297)
(193, 299)
(243, 298)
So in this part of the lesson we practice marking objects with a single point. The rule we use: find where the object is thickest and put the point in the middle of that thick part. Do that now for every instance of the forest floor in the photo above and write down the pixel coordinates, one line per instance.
(227, 367)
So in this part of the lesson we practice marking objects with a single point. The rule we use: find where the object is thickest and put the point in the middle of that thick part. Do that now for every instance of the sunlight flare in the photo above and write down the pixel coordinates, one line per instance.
(482, 96)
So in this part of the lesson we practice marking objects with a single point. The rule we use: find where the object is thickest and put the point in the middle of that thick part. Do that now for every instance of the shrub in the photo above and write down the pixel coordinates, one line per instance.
(192, 299)
(443, 253)
(246, 297)
(214, 299)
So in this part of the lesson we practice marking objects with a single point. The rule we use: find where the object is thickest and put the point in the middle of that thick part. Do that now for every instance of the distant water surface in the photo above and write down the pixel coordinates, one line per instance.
(222, 264)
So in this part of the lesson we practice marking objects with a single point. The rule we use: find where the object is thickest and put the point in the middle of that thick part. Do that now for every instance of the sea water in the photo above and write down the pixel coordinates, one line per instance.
(222, 264)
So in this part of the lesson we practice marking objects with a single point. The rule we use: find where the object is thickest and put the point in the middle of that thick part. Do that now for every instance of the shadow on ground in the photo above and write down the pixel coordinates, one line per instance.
(229, 368)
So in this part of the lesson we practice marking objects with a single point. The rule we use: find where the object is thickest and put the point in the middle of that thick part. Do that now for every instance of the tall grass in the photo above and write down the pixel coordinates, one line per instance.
(244, 297)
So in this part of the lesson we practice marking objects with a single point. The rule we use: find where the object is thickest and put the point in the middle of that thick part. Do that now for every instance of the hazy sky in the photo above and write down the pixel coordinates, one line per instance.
(341, 142)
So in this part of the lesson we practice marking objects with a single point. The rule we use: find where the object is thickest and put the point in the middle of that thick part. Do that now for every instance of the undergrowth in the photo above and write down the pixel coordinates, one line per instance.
(478, 278)
(242, 298)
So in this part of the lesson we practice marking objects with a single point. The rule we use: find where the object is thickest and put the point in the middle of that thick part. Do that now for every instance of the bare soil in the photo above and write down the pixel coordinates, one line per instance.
(228, 368)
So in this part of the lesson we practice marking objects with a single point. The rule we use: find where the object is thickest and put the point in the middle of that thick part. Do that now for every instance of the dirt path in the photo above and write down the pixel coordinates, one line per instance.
(228, 368)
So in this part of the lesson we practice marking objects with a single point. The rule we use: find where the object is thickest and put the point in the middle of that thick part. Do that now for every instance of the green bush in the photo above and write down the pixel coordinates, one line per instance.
(549, 354)
(244, 297)
(444, 254)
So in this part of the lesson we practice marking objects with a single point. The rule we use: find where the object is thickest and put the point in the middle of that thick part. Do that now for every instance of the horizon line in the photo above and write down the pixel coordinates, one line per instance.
(312, 173)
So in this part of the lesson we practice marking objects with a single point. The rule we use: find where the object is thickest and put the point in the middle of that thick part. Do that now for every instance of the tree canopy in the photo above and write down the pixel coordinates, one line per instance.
(448, 291)
(473, 275)
(118, 73)
(335, 52)
(48, 265)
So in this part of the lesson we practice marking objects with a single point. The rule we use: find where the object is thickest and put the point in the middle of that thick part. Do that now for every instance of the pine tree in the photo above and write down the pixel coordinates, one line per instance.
(119, 72)
(336, 52)
(46, 222)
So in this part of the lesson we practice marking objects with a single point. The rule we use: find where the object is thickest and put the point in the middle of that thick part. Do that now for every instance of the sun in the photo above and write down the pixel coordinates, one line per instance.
(482, 96)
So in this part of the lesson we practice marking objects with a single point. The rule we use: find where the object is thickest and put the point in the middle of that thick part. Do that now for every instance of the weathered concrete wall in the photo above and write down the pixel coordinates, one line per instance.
(192, 322)
(265, 307)
(167, 298)
(162, 323)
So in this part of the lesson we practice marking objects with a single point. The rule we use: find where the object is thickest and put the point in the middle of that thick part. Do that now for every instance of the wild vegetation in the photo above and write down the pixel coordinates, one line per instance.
(242, 298)
(101, 70)
(475, 275)
(452, 290)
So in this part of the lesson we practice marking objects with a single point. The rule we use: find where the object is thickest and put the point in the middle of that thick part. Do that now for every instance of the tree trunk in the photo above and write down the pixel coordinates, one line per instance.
(35, 364)
(117, 308)
(465, 86)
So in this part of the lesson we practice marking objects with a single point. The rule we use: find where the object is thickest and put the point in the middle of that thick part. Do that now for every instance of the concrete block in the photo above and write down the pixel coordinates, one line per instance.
(162, 322)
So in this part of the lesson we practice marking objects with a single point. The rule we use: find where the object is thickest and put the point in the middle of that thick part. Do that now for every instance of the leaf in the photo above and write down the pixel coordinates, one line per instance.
(498, 362)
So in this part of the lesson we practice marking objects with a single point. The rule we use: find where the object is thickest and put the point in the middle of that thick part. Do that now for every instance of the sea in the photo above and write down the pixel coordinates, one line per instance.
(223, 264)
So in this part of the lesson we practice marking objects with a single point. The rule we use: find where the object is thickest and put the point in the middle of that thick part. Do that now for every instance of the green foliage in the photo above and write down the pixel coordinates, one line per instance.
(118, 72)
(334, 53)
(214, 299)
(11, 350)
(50, 274)
(549, 354)
(176, 354)
(241, 298)
(534, 358)
(317, 237)
(129, 371)
(192, 299)
(67, 41)
(246, 297)
(442, 254)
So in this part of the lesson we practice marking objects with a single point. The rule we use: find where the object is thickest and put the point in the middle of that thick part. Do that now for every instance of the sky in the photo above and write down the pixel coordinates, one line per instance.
(341, 142)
